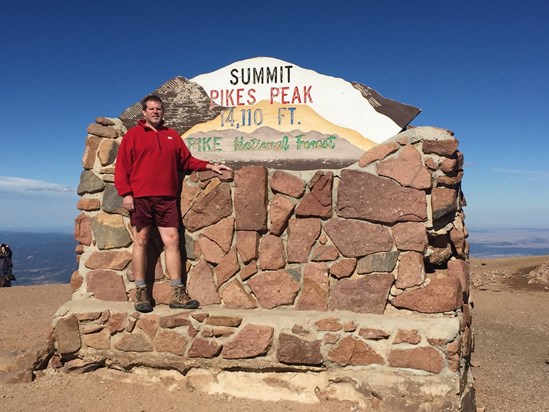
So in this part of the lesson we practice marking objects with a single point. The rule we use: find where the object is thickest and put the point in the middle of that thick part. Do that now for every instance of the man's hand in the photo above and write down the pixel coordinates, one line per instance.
(217, 168)
(127, 202)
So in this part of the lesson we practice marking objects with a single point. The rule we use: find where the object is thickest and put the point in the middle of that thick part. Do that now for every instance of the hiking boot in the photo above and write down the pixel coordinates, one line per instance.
(181, 299)
(142, 302)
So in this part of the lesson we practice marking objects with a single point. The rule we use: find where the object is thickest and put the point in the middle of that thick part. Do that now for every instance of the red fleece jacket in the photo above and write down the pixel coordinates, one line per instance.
(148, 162)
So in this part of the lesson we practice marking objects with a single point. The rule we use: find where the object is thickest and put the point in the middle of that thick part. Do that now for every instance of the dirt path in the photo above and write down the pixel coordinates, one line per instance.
(511, 324)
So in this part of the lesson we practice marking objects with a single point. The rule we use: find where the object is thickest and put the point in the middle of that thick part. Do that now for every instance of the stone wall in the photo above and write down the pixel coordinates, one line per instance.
(356, 278)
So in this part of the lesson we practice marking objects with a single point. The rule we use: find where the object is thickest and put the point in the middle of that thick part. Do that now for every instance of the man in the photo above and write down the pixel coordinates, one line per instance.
(146, 176)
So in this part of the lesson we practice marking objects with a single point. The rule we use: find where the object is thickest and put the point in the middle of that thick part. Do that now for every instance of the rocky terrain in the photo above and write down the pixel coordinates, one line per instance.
(510, 361)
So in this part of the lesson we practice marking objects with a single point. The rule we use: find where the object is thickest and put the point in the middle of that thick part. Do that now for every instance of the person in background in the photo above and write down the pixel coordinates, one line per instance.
(6, 265)
(146, 177)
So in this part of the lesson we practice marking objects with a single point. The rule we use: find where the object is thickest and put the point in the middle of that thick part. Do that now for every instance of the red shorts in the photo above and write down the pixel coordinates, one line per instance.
(158, 211)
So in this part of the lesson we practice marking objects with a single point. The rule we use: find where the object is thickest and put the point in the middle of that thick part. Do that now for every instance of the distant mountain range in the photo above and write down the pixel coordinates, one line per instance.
(45, 258)
(41, 258)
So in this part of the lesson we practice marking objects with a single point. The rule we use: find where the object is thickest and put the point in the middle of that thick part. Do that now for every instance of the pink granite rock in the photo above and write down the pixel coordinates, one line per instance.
(365, 196)
(174, 321)
(67, 334)
(460, 269)
(90, 152)
(221, 233)
(443, 201)
(343, 268)
(325, 253)
(424, 358)
(234, 296)
(407, 169)
(441, 295)
(271, 253)
(378, 152)
(285, 183)
(374, 334)
(365, 295)
(297, 351)
(273, 289)
(249, 270)
(445, 148)
(411, 270)
(106, 285)
(227, 267)
(250, 198)
(247, 244)
(410, 236)
(204, 348)
(250, 342)
(134, 342)
(302, 234)
(407, 336)
(316, 283)
(209, 208)
(88, 204)
(201, 284)
(102, 131)
(329, 325)
(210, 250)
(82, 229)
(318, 202)
(354, 352)
(169, 341)
(355, 238)
(115, 260)
(281, 208)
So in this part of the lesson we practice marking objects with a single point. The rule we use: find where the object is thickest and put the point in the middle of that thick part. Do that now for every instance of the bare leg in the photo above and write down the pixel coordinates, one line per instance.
(139, 253)
(170, 238)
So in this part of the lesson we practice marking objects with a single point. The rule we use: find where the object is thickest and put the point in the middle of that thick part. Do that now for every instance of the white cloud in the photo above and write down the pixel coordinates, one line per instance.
(19, 184)
(535, 174)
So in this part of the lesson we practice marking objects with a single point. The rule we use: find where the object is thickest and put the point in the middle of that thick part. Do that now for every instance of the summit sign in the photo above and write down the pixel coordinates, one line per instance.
(275, 112)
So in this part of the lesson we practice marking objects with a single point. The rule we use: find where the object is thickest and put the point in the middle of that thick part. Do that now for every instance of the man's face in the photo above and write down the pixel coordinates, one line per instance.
(153, 113)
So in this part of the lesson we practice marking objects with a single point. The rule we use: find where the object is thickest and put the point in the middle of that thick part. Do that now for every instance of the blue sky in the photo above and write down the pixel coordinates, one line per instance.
(477, 68)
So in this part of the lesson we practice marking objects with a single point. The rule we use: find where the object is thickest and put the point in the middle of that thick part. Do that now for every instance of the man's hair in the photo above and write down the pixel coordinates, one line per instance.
(152, 98)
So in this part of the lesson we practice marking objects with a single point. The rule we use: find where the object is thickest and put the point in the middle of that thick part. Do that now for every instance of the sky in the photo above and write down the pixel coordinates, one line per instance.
(479, 69)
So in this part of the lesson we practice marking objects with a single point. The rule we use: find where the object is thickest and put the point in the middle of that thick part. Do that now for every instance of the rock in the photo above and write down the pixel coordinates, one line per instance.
(407, 169)
(251, 341)
(365, 295)
(174, 321)
(407, 336)
(302, 234)
(67, 335)
(377, 262)
(329, 325)
(221, 233)
(234, 296)
(90, 152)
(250, 198)
(287, 184)
(89, 183)
(441, 295)
(82, 229)
(107, 151)
(318, 202)
(368, 197)
(201, 284)
(99, 340)
(112, 203)
(133, 342)
(228, 321)
(297, 351)
(446, 148)
(325, 253)
(273, 289)
(374, 334)
(281, 208)
(247, 245)
(410, 236)
(210, 250)
(271, 252)
(110, 231)
(343, 268)
(106, 285)
(115, 260)
(88, 205)
(227, 267)
(355, 238)
(316, 283)
(170, 342)
(102, 131)
(443, 201)
(354, 352)
(203, 348)
(411, 270)
(209, 208)
(459, 269)
(424, 358)
(378, 152)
